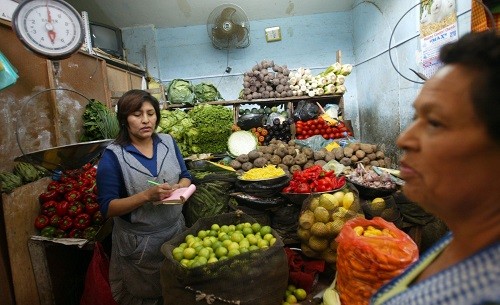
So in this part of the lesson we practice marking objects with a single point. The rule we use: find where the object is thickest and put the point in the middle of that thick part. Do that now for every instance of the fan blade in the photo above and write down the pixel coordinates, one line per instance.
(227, 13)
(221, 34)
(239, 31)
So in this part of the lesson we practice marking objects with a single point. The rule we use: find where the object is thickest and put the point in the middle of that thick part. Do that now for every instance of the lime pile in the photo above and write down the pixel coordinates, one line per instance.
(293, 295)
(222, 242)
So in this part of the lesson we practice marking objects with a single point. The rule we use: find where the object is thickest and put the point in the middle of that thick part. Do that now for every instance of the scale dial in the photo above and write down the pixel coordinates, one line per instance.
(50, 28)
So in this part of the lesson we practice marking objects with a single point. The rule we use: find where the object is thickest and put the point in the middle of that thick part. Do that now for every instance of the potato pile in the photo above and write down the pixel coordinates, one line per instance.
(322, 219)
(266, 80)
(289, 156)
(367, 154)
(292, 157)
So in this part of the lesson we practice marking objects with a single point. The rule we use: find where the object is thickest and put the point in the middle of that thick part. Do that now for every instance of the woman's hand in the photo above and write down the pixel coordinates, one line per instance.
(161, 191)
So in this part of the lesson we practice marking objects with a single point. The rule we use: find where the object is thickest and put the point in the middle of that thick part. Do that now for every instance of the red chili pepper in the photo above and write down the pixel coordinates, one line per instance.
(73, 195)
(82, 221)
(98, 218)
(87, 166)
(49, 208)
(65, 223)
(75, 208)
(47, 196)
(91, 207)
(41, 221)
(54, 220)
(62, 208)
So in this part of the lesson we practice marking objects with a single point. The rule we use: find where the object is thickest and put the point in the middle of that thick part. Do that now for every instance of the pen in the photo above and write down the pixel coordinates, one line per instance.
(153, 182)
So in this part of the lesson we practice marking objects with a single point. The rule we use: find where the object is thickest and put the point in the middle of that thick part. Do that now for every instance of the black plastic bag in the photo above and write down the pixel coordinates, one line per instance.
(305, 111)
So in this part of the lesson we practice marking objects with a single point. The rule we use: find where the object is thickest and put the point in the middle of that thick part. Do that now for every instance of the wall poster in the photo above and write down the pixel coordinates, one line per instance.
(438, 26)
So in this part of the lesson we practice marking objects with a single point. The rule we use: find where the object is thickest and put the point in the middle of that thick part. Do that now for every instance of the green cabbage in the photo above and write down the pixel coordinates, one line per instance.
(181, 92)
(206, 93)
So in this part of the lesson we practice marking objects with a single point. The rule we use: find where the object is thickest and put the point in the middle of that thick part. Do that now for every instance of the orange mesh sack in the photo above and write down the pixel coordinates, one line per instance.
(256, 276)
(322, 217)
(370, 253)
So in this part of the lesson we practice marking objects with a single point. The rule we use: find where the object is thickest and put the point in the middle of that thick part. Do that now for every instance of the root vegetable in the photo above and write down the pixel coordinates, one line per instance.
(372, 156)
(235, 164)
(267, 156)
(283, 166)
(246, 166)
(319, 155)
(295, 168)
(380, 154)
(275, 159)
(367, 148)
(281, 151)
(300, 159)
(354, 146)
(345, 161)
(365, 160)
(374, 163)
(308, 164)
(360, 154)
(339, 153)
(291, 151)
(242, 158)
(348, 152)
(329, 156)
(254, 154)
(320, 162)
(354, 159)
(308, 152)
(260, 162)
(288, 160)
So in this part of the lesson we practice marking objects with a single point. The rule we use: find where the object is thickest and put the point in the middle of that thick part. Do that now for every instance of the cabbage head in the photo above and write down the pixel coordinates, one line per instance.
(181, 92)
(207, 93)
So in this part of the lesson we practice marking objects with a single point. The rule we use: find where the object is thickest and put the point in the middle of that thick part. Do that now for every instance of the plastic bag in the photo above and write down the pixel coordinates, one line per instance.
(365, 262)
(305, 111)
(8, 73)
(316, 142)
(97, 290)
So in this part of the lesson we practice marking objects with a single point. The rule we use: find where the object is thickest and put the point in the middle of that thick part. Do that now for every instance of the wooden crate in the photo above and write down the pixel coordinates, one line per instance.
(20, 208)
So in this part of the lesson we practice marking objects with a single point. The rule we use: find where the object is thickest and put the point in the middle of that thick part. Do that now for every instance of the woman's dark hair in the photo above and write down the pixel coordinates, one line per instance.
(480, 54)
(130, 102)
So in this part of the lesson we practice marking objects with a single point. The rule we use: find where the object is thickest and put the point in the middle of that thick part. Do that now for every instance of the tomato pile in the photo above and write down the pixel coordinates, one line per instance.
(314, 179)
(69, 208)
(306, 129)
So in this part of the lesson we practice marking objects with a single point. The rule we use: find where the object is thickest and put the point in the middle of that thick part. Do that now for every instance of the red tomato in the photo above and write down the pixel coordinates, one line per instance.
(298, 130)
(329, 130)
(331, 135)
(326, 136)
(316, 131)
(310, 132)
(337, 135)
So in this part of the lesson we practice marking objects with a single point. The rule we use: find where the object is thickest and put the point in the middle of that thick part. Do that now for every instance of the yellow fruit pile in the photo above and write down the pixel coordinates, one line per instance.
(371, 231)
(321, 221)
(222, 242)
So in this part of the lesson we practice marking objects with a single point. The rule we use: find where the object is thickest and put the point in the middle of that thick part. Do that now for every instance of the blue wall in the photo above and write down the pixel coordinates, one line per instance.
(378, 100)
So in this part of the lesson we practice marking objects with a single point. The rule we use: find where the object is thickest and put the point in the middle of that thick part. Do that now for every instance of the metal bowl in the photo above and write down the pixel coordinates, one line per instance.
(66, 157)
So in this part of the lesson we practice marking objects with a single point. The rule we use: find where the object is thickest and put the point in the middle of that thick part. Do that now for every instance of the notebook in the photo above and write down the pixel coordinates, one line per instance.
(180, 195)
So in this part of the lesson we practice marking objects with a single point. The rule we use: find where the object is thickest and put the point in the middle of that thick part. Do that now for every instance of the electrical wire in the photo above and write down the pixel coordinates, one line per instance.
(490, 15)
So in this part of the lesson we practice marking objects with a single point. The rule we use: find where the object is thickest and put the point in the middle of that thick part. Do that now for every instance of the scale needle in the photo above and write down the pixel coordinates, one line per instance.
(49, 26)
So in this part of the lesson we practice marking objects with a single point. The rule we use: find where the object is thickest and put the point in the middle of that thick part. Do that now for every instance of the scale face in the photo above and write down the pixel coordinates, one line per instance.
(50, 28)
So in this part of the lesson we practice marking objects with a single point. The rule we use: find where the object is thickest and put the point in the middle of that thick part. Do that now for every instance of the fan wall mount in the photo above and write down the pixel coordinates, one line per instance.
(228, 27)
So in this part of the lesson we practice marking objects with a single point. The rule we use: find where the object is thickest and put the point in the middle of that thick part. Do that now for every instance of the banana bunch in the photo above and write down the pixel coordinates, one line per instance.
(9, 181)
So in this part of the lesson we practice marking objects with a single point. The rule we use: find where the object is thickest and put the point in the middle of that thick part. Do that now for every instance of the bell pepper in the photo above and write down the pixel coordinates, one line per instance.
(75, 233)
(53, 185)
(73, 195)
(89, 197)
(54, 220)
(75, 208)
(58, 233)
(98, 218)
(65, 223)
(91, 207)
(82, 221)
(70, 184)
(62, 208)
(48, 231)
(49, 208)
(90, 233)
(48, 196)
(41, 221)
